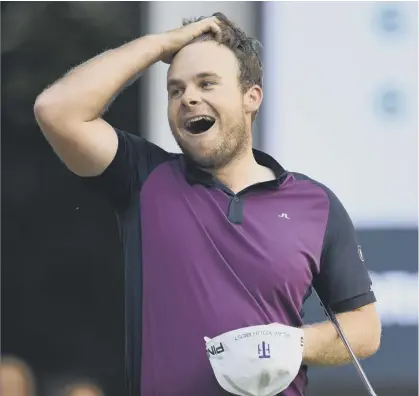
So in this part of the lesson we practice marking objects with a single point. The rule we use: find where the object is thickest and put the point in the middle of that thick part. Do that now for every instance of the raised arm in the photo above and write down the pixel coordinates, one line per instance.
(69, 112)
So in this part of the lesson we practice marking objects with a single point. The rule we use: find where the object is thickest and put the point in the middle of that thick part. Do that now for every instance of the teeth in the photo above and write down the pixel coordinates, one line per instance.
(198, 118)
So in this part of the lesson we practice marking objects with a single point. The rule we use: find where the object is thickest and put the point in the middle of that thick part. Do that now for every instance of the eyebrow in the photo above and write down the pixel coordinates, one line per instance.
(174, 81)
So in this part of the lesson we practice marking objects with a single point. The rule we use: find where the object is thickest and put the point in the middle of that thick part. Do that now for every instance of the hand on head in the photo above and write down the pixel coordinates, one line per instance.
(178, 38)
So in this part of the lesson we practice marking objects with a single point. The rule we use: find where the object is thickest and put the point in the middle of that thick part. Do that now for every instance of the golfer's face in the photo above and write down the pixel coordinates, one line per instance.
(204, 95)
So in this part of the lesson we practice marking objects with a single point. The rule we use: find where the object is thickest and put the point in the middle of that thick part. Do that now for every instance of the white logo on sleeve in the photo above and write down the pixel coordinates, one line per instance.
(361, 256)
(284, 216)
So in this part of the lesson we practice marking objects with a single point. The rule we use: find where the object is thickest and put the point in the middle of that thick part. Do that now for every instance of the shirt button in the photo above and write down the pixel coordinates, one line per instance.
(237, 199)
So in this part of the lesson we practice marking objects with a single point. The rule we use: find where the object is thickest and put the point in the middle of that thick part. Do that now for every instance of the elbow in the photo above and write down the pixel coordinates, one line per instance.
(376, 342)
(45, 106)
(376, 338)
(370, 331)
(372, 346)
(42, 108)
(49, 112)
(368, 349)
(52, 108)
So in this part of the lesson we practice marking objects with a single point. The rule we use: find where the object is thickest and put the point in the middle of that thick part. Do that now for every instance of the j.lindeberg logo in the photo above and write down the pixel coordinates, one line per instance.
(284, 216)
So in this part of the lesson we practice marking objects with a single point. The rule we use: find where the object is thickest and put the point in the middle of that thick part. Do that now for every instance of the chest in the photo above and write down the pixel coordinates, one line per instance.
(276, 245)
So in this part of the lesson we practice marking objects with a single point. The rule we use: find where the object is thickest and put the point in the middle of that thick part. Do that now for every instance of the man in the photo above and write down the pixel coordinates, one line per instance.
(220, 237)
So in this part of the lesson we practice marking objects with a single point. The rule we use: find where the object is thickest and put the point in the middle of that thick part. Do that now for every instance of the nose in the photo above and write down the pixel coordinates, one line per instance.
(190, 98)
(191, 102)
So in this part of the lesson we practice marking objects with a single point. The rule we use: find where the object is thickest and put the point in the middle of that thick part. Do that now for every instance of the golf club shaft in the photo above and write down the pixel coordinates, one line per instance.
(355, 360)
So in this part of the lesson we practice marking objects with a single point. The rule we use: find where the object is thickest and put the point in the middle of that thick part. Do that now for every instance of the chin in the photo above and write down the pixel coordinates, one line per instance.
(200, 157)
(204, 162)
(208, 159)
(212, 149)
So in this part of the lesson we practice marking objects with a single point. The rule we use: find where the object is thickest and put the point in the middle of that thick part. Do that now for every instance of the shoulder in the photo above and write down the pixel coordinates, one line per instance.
(140, 153)
(135, 160)
(320, 197)
(299, 177)
(315, 184)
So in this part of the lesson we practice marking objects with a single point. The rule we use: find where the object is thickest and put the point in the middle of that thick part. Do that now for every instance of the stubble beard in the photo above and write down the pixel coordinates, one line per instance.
(233, 144)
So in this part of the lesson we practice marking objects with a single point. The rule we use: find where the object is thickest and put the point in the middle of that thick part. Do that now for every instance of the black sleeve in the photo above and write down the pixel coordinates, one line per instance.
(134, 160)
(343, 282)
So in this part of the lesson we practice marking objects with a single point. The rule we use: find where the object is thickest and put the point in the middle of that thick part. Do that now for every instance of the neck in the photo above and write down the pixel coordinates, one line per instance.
(242, 172)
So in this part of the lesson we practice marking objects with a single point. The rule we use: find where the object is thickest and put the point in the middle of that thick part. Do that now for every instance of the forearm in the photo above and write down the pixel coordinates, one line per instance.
(323, 346)
(86, 90)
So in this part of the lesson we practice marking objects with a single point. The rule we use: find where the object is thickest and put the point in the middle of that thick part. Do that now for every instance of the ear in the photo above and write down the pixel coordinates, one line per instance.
(253, 99)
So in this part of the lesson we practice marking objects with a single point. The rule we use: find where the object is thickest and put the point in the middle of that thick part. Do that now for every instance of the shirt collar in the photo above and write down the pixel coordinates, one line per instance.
(195, 175)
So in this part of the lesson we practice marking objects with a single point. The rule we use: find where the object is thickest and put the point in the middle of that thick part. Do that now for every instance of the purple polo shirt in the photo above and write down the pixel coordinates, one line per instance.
(201, 260)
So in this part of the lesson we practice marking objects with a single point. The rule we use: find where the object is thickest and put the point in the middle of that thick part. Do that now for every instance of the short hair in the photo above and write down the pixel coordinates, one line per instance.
(246, 49)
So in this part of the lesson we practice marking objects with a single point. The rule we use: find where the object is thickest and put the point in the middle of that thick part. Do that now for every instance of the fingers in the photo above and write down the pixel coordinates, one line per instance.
(212, 25)
(184, 35)
(216, 29)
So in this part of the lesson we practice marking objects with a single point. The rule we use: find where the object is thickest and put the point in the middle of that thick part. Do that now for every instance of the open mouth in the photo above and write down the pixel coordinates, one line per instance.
(199, 124)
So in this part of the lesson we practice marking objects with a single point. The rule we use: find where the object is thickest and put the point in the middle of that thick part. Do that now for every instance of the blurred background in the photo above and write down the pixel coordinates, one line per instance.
(341, 105)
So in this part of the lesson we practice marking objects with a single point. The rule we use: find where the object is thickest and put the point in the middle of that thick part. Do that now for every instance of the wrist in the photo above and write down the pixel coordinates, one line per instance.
(166, 44)
(310, 336)
(159, 43)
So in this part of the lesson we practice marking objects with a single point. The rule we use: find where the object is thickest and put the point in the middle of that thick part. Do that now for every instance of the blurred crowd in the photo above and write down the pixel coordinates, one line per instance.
(17, 379)
(62, 307)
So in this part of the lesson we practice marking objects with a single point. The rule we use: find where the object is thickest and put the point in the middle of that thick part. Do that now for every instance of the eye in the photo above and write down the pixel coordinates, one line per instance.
(206, 84)
(175, 92)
